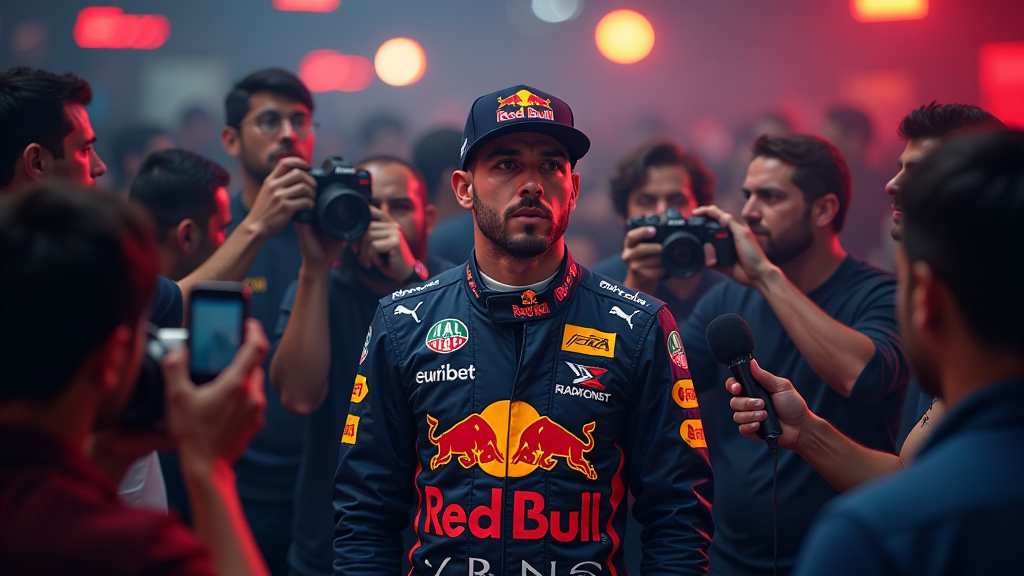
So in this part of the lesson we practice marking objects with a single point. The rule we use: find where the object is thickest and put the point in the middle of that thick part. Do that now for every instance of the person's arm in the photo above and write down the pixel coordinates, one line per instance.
(212, 424)
(670, 473)
(935, 413)
(839, 460)
(836, 352)
(288, 189)
(373, 486)
(299, 370)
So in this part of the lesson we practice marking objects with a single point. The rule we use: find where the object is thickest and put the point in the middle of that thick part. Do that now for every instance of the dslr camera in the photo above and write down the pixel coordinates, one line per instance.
(684, 239)
(147, 402)
(342, 209)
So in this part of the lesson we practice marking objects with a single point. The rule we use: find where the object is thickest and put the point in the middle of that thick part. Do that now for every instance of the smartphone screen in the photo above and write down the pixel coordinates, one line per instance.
(216, 329)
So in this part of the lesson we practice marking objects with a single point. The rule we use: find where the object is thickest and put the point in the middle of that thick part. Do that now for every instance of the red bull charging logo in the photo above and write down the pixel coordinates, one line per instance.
(534, 441)
(524, 100)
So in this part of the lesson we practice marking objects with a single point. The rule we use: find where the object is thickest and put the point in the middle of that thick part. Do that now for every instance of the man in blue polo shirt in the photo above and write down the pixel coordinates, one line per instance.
(958, 509)
(815, 313)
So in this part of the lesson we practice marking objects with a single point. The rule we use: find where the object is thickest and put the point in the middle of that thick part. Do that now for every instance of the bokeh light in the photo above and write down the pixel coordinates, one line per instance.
(400, 62)
(624, 36)
(327, 70)
(885, 10)
(556, 10)
(109, 27)
(306, 5)
(1001, 80)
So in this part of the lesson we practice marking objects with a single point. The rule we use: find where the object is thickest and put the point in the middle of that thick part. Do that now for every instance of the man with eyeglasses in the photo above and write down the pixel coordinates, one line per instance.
(270, 130)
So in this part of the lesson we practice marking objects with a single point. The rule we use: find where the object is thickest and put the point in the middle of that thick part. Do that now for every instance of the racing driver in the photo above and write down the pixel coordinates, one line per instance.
(508, 404)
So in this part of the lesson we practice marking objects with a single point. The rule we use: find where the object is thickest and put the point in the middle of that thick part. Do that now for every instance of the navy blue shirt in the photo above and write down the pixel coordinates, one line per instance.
(166, 305)
(681, 308)
(857, 295)
(958, 508)
(351, 309)
(267, 469)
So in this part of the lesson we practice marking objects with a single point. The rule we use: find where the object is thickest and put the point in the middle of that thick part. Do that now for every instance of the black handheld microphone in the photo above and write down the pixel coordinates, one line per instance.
(732, 344)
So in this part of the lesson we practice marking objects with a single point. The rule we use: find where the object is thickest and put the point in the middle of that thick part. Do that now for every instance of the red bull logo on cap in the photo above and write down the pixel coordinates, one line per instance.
(539, 442)
(524, 104)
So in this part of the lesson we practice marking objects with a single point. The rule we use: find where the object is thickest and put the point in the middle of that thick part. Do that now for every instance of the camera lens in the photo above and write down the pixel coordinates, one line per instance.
(343, 213)
(683, 255)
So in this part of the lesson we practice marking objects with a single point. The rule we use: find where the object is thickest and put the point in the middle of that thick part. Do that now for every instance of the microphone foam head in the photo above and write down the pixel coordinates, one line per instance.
(729, 338)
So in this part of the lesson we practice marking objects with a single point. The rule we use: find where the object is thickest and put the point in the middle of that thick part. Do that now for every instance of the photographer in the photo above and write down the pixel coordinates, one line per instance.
(817, 314)
(653, 177)
(69, 369)
(324, 317)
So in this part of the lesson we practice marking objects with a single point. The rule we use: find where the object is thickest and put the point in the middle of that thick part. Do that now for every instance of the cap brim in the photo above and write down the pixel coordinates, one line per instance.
(575, 142)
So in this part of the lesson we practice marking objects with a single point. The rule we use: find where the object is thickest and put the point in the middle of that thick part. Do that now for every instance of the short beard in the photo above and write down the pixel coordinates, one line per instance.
(780, 253)
(524, 246)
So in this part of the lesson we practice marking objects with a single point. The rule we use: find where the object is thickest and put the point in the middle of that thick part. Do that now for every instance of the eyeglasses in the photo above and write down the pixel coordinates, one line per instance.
(270, 123)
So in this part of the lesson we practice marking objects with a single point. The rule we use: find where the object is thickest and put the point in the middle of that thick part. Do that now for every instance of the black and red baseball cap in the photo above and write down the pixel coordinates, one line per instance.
(521, 109)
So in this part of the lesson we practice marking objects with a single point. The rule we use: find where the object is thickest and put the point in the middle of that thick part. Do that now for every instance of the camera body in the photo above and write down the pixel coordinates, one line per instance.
(147, 402)
(342, 209)
(684, 239)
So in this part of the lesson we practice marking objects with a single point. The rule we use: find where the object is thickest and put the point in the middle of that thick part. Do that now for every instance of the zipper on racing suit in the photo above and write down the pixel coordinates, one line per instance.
(519, 337)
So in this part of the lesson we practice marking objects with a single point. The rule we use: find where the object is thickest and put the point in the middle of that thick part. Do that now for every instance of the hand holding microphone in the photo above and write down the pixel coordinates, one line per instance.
(765, 405)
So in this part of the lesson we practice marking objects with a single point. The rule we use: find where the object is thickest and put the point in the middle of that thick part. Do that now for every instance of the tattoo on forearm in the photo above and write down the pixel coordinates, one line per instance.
(924, 419)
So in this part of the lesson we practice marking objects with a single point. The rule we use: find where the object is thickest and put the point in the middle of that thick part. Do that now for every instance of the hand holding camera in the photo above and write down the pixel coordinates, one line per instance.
(384, 247)
(682, 243)
(289, 189)
(746, 262)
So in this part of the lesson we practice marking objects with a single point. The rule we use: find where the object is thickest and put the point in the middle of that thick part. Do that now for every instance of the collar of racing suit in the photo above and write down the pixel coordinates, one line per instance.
(525, 306)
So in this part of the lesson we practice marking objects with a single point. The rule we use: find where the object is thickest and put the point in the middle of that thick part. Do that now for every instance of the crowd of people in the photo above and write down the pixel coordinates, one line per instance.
(473, 399)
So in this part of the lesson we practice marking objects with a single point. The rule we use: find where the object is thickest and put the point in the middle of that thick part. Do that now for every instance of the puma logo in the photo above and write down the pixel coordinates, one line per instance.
(400, 309)
(618, 312)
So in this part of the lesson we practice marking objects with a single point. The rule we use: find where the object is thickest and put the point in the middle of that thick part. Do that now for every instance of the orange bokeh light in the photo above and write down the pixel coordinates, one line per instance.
(624, 36)
(306, 5)
(400, 62)
(327, 70)
(886, 10)
(110, 27)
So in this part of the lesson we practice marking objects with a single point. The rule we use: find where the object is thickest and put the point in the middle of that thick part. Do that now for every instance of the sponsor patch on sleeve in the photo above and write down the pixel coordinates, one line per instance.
(588, 341)
(683, 393)
(352, 429)
(359, 389)
(366, 345)
(675, 350)
(692, 432)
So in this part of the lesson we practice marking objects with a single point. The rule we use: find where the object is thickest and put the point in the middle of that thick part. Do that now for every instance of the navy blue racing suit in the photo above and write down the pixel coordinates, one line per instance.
(513, 423)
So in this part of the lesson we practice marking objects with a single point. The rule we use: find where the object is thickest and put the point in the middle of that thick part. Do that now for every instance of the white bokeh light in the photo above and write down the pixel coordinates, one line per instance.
(557, 10)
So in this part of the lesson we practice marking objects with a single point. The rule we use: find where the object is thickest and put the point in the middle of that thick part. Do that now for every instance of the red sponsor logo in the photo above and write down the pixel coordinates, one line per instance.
(531, 520)
(531, 306)
(472, 439)
(562, 291)
(545, 439)
(505, 115)
(471, 282)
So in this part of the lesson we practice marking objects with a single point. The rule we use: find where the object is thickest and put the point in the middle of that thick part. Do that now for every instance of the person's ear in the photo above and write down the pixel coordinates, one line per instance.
(574, 196)
(927, 300)
(462, 184)
(112, 357)
(231, 141)
(825, 210)
(187, 236)
(36, 162)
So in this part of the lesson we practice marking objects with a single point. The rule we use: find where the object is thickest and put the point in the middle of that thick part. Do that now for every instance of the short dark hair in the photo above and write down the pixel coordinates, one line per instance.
(631, 172)
(177, 184)
(975, 178)
(435, 152)
(53, 237)
(940, 120)
(274, 80)
(32, 111)
(132, 139)
(388, 159)
(819, 168)
(852, 121)
(376, 125)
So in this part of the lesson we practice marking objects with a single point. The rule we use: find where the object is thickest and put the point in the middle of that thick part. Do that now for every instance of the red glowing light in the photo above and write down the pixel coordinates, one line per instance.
(306, 5)
(326, 70)
(109, 27)
(886, 10)
(1001, 80)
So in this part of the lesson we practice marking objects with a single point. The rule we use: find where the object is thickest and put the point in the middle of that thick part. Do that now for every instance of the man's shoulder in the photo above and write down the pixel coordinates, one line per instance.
(613, 291)
(613, 267)
(440, 284)
(856, 272)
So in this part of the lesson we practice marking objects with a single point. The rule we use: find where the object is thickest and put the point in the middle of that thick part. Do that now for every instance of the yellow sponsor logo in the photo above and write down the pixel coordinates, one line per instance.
(359, 389)
(351, 430)
(692, 432)
(257, 285)
(684, 394)
(588, 341)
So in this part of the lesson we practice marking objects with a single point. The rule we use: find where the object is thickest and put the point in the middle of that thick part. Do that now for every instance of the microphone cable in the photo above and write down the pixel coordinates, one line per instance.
(773, 445)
